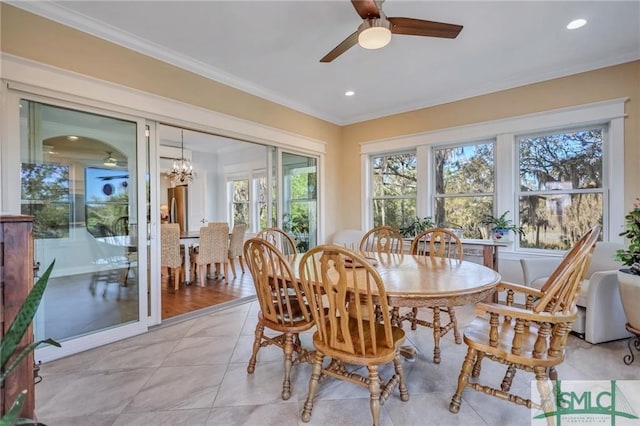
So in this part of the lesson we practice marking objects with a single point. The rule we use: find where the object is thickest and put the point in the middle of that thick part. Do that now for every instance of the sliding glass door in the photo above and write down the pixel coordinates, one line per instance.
(79, 179)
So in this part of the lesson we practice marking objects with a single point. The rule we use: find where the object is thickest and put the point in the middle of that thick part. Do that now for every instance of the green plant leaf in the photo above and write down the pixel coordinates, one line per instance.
(23, 354)
(11, 417)
(23, 318)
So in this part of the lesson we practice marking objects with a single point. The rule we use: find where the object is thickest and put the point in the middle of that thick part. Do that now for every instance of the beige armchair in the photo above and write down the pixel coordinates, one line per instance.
(600, 314)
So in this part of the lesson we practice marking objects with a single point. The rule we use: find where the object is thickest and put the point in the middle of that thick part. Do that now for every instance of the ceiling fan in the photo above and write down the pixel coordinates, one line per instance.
(376, 29)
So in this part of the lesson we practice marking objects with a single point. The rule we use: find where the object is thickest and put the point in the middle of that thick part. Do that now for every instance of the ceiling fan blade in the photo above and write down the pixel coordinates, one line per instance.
(366, 8)
(420, 27)
(346, 44)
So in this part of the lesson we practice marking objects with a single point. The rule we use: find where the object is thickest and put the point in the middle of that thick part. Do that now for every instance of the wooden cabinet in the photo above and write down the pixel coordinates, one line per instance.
(16, 280)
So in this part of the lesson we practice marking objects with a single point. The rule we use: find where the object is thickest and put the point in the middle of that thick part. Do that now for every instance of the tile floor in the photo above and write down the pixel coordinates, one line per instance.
(194, 373)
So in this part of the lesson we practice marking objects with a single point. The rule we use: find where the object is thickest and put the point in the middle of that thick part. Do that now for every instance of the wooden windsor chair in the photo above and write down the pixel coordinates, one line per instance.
(530, 338)
(282, 306)
(343, 290)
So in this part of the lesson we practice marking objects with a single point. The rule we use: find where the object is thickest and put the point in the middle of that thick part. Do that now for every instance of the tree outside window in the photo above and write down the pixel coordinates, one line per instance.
(464, 186)
(561, 191)
(240, 205)
(45, 195)
(394, 191)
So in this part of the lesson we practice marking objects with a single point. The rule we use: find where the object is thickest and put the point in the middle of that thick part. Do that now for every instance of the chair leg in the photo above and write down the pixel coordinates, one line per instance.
(202, 274)
(164, 275)
(404, 391)
(288, 362)
(233, 266)
(374, 394)
(316, 370)
(463, 379)
(176, 278)
(454, 321)
(544, 390)
(241, 261)
(256, 347)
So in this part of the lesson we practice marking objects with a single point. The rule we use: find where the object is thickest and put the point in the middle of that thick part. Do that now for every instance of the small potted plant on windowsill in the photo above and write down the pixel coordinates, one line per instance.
(500, 227)
(629, 278)
(416, 226)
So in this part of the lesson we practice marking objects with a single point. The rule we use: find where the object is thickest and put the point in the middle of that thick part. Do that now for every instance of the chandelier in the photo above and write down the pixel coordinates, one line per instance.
(182, 171)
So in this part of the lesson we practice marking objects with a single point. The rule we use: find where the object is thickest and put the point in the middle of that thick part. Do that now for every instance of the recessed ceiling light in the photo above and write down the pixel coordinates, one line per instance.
(576, 23)
(72, 138)
(349, 93)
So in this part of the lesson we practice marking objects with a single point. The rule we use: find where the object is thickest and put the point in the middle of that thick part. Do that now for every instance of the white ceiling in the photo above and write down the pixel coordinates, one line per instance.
(272, 48)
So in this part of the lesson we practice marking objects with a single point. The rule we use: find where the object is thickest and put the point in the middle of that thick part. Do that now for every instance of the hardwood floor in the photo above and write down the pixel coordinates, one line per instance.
(82, 304)
(192, 297)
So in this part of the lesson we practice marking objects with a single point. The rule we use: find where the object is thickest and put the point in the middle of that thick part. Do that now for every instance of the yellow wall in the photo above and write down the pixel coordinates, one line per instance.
(32, 37)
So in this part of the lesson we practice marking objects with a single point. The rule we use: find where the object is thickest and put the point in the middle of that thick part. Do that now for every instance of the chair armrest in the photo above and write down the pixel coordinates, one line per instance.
(532, 269)
(483, 308)
(504, 285)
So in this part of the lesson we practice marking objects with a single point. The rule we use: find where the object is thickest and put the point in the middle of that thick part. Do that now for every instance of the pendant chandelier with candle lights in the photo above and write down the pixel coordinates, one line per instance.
(182, 171)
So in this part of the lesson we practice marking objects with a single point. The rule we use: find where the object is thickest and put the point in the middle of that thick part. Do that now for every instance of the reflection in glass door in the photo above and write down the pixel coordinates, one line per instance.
(78, 179)
(300, 199)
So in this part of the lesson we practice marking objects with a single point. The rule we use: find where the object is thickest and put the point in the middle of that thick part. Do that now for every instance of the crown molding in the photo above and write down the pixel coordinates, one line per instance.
(94, 27)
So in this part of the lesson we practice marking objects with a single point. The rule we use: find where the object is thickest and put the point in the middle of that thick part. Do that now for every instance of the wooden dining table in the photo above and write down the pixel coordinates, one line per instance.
(425, 282)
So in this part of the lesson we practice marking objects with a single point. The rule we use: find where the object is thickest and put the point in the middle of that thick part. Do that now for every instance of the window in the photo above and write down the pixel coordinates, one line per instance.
(464, 186)
(240, 201)
(262, 202)
(556, 172)
(561, 191)
(394, 184)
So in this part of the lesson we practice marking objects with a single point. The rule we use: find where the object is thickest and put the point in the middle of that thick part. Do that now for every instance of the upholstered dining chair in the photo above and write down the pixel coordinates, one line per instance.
(279, 238)
(382, 239)
(530, 338)
(170, 258)
(235, 246)
(213, 249)
(436, 242)
(343, 289)
(282, 306)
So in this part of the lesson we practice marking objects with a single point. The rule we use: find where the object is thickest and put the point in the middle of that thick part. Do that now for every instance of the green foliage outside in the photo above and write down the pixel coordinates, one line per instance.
(301, 207)
(560, 179)
(45, 195)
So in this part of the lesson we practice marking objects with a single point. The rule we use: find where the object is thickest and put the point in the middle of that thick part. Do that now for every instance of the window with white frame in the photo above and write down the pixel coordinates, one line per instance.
(553, 172)
(560, 186)
(239, 201)
(464, 179)
(261, 204)
(394, 183)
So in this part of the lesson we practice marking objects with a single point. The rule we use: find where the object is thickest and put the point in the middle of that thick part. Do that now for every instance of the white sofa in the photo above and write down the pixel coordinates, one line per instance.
(600, 317)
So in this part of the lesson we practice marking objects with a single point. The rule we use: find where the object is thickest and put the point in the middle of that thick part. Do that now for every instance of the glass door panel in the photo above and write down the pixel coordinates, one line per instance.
(300, 199)
(78, 179)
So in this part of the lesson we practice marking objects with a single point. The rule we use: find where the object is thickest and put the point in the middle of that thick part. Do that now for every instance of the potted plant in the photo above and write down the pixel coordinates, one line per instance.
(416, 226)
(629, 278)
(11, 353)
(500, 226)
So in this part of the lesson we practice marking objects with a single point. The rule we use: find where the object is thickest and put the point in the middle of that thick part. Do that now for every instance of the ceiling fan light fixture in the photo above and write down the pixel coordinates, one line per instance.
(374, 33)
(110, 161)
